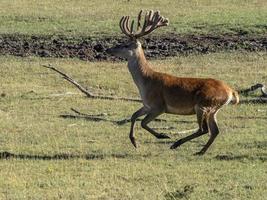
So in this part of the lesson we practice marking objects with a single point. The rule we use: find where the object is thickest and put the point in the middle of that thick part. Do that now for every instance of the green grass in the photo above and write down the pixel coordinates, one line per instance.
(108, 167)
(98, 17)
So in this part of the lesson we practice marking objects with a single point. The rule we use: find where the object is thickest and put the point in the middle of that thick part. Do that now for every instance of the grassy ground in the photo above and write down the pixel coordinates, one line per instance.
(97, 18)
(104, 163)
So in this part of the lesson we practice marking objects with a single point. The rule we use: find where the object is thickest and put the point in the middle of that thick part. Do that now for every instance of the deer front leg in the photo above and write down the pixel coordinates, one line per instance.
(142, 111)
(149, 118)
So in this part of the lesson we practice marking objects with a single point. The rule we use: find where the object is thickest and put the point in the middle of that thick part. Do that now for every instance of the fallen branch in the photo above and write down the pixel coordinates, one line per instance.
(90, 118)
(88, 115)
(253, 88)
(84, 90)
(257, 100)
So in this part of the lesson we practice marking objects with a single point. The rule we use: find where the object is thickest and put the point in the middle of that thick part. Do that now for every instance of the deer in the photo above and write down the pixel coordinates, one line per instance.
(164, 93)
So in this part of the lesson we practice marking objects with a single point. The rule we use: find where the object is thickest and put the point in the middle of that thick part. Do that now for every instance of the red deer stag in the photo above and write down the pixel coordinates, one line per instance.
(164, 93)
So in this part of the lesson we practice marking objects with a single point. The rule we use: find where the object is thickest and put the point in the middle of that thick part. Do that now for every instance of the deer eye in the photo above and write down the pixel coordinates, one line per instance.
(127, 46)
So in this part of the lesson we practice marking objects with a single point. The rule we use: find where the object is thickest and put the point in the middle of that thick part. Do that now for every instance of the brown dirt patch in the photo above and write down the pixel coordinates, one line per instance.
(86, 48)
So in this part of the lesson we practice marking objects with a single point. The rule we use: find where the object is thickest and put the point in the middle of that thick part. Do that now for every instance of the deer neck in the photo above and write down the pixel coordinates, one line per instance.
(139, 68)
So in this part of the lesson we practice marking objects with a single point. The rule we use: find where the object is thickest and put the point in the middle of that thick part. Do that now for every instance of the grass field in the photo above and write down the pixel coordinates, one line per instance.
(46, 156)
(98, 17)
(57, 158)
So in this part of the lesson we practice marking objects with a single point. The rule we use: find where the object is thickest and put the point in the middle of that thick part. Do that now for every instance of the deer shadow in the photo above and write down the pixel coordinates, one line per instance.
(116, 122)
(5, 155)
(64, 156)
(242, 158)
(261, 145)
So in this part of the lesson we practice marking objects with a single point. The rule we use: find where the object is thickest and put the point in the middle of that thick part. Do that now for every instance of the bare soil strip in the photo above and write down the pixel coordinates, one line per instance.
(90, 49)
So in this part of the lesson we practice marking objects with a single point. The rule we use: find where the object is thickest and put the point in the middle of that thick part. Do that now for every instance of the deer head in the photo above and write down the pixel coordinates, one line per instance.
(152, 21)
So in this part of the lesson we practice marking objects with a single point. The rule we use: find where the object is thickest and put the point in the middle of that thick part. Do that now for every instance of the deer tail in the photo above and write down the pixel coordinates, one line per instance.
(235, 100)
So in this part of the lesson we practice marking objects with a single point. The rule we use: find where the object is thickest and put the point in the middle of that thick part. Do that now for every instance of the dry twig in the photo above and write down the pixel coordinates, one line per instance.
(84, 90)
(258, 100)
(253, 88)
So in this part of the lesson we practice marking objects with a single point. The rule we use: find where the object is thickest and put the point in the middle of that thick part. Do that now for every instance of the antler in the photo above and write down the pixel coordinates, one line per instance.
(152, 21)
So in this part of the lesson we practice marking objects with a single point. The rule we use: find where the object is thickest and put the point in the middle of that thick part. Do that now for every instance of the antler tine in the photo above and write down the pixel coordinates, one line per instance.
(163, 22)
(145, 23)
(132, 25)
(154, 16)
(150, 17)
(139, 20)
(157, 22)
(126, 26)
(154, 23)
(121, 25)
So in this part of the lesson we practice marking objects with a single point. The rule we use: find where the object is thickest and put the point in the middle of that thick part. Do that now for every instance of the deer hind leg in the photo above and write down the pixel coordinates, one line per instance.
(203, 128)
(142, 111)
(149, 118)
(214, 131)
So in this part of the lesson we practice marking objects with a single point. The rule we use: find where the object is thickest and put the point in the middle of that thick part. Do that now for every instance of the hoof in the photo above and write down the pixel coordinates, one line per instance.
(199, 153)
(163, 136)
(174, 146)
(133, 141)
